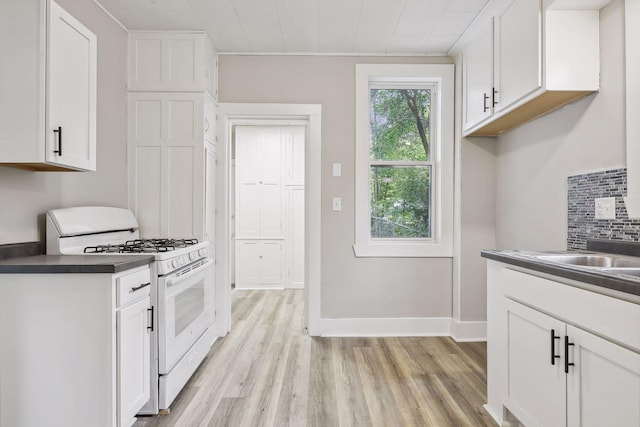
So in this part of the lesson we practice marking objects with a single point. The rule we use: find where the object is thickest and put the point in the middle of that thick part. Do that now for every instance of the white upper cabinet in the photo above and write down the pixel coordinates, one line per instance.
(478, 78)
(170, 61)
(540, 57)
(517, 71)
(48, 119)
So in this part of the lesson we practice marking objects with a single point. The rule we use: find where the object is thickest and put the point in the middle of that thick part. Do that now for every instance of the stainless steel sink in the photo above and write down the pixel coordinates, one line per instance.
(592, 260)
(582, 260)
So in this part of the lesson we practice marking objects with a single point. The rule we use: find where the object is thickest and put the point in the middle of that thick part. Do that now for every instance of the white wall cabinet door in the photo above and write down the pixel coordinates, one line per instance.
(536, 388)
(478, 78)
(166, 61)
(518, 70)
(603, 387)
(71, 94)
(134, 359)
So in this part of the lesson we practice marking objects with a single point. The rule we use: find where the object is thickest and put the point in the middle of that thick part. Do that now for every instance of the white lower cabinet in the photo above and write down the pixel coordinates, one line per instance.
(560, 355)
(603, 385)
(559, 374)
(75, 348)
(259, 264)
(536, 391)
(134, 359)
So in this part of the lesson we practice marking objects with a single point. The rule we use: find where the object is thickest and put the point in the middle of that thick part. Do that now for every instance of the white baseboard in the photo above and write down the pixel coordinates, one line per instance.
(385, 327)
(403, 327)
(468, 331)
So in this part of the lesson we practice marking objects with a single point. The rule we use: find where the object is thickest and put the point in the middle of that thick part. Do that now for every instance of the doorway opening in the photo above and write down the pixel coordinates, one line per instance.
(269, 116)
(267, 206)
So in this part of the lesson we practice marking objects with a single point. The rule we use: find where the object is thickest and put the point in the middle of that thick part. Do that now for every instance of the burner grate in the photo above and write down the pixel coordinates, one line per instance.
(142, 246)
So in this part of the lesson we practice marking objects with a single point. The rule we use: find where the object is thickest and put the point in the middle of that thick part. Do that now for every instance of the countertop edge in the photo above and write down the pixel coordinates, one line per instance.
(592, 278)
(101, 265)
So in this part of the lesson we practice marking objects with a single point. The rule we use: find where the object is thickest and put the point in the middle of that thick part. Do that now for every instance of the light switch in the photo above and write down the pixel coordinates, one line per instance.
(337, 169)
(606, 208)
(337, 204)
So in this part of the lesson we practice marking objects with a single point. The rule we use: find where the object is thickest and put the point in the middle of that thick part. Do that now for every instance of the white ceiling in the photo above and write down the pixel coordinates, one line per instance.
(421, 27)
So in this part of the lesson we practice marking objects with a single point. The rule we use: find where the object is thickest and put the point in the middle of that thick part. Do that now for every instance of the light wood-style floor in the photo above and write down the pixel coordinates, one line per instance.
(267, 372)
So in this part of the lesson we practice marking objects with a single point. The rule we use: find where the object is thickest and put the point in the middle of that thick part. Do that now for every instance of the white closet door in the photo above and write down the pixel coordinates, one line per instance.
(271, 263)
(294, 154)
(295, 237)
(247, 183)
(259, 176)
(248, 270)
(270, 151)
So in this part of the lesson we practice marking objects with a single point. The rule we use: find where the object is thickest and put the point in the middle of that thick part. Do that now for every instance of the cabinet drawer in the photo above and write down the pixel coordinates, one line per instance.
(133, 287)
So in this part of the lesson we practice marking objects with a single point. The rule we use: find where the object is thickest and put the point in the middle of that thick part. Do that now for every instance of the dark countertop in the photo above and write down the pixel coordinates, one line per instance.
(626, 284)
(42, 264)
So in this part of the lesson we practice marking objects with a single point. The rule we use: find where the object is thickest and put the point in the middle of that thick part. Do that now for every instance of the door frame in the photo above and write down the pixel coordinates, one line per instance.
(232, 114)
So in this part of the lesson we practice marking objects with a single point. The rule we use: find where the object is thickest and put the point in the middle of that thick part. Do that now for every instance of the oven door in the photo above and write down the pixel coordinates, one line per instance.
(185, 310)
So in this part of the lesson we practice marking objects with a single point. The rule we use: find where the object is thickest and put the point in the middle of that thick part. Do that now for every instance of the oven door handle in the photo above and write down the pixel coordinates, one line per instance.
(172, 281)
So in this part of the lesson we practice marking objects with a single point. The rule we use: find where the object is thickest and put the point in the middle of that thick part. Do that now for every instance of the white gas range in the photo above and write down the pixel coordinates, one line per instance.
(182, 288)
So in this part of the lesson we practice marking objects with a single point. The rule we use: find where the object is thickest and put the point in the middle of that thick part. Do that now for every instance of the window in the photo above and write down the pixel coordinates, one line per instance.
(404, 160)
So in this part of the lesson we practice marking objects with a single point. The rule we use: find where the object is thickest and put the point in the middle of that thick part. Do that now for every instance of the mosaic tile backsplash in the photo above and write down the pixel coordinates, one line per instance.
(582, 222)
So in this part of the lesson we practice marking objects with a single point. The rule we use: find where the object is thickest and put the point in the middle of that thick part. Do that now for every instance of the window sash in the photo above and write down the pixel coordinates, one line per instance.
(432, 208)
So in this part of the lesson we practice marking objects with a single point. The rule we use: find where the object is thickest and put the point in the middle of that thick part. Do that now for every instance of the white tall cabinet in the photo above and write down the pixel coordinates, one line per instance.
(172, 133)
(269, 206)
(49, 72)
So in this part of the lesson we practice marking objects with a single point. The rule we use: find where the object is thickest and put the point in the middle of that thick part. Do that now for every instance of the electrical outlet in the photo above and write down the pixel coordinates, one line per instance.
(337, 204)
(606, 208)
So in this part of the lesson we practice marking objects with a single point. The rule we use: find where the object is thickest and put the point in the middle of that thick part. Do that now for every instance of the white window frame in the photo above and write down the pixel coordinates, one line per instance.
(442, 186)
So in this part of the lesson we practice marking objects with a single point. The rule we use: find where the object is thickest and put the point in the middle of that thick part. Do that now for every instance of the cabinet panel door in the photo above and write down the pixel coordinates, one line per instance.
(518, 50)
(603, 387)
(295, 238)
(271, 263)
(134, 359)
(294, 154)
(71, 91)
(536, 389)
(478, 78)
(247, 263)
(210, 197)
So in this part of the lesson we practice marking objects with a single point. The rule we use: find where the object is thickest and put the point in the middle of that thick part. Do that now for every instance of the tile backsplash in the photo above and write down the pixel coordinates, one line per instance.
(582, 223)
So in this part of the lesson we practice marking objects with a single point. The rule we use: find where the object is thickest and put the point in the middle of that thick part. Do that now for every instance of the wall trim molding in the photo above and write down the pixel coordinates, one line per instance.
(404, 327)
(110, 15)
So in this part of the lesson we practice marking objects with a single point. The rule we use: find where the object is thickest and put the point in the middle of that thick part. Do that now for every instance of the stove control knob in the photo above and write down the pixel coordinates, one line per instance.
(192, 256)
(203, 252)
(175, 263)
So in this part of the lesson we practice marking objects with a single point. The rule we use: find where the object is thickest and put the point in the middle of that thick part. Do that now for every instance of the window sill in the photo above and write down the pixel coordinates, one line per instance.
(403, 250)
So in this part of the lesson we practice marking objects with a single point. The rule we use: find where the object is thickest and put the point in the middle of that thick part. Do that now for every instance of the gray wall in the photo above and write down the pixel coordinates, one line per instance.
(534, 161)
(351, 287)
(25, 196)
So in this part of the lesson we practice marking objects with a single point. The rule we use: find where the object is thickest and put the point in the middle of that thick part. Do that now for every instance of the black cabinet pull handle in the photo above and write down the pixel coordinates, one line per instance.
(484, 103)
(150, 328)
(493, 98)
(566, 354)
(137, 288)
(59, 132)
(554, 337)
